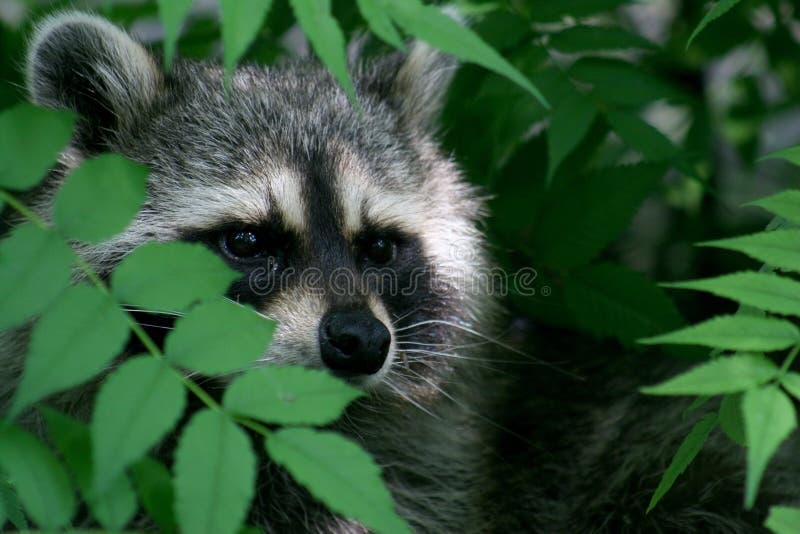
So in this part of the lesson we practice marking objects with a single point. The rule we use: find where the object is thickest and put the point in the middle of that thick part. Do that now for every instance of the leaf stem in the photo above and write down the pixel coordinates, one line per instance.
(24, 210)
(787, 363)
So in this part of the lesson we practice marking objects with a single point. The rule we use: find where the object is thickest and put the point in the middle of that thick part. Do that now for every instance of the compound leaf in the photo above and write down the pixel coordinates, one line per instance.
(113, 508)
(721, 375)
(170, 276)
(215, 470)
(583, 38)
(569, 123)
(30, 140)
(765, 291)
(172, 14)
(10, 507)
(154, 486)
(735, 332)
(241, 21)
(40, 480)
(791, 382)
(783, 519)
(73, 341)
(431, 25)
(619, 82)
(380, 23)
(100, 198)
(785, 204)
(731, 419)
(136, 406)
(201, 339)
(769, 418)
(790, 154)
(691, 445)
(778, 248)
(339, 473)
(35, 266)
(289, 395)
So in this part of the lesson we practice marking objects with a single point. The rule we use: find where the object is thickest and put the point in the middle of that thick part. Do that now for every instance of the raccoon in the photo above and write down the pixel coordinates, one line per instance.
(283, 177)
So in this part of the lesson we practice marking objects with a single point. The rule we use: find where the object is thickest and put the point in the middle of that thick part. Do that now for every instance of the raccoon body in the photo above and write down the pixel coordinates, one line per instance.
(361, 239)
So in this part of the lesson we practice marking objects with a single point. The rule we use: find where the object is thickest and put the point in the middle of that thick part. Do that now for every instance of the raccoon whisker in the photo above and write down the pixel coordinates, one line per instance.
(153, 312)
(161, 326)
(408, 399)
(469, 358)
(496, 342)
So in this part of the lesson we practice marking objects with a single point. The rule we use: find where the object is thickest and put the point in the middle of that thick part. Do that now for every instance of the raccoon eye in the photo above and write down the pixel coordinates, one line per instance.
(380, 250)
(242, 243)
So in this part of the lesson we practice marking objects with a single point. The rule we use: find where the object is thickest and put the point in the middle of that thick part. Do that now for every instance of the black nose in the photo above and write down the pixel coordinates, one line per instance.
(353, 342)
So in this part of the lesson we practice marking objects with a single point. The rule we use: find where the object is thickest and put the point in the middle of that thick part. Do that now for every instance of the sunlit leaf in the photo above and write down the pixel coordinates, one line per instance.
(339, 473)
(202, 340)
(735, 332)
(30, 140)
(769, 418)
(765, 291)
(718, 376)
(430, 24)
(785, 204)
(289, 395)
(40, 480)
(100, 198)
(172, 14)
(778, 248)
(719, 9)
(136, 406)
(241, 21)
(113, 508)
(35, 266)
(170, 276)
(72, 342)
(692, 444)
(215, 470)
(322, 30)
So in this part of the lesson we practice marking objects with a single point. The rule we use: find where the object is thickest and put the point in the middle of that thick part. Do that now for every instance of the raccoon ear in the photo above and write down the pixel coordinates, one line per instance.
(417, 83)
(86, 64)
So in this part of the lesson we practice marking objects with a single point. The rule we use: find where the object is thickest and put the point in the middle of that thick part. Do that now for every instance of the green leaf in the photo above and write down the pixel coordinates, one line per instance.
(610, 300)
(691, 445)
(550, 11)
(734, 332)
(643, 137)
(731, 419)
(172, 14)
(100, 198)
(10, 507)
(582, 38)
(785, 204)
(721, 375)
(339, 473)
(31, 139)
(72, 342)
(41, 483)
(619, 82)
(790, 154)
(791, 382)
(322, 30)
(113, 508)
(591, 225)
(170, 276)
(769, 418)
(783, 520)
(569, 123)
(201, 340)
(154, 485)
(215, 475)
(429, 24)
(765, 291)
(778, 248)
(719, 9)
(289, 395)
(241, 21)
(136, 406)
(380, 23)
(35, 266)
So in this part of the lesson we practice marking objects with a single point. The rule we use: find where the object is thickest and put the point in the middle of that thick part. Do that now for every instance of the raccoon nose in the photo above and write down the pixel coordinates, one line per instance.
(353, 342)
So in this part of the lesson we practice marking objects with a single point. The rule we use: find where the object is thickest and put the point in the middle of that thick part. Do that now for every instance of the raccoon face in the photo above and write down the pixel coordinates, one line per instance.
(349, 228)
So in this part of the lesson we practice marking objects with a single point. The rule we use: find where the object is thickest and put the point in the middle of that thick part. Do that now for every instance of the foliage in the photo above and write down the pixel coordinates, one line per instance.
(570, 141)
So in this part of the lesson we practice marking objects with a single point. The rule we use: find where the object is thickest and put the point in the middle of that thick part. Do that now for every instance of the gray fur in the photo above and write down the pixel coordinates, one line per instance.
(286, 143)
